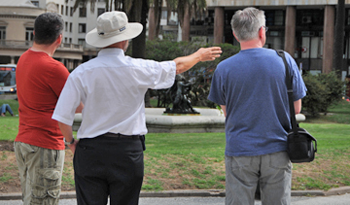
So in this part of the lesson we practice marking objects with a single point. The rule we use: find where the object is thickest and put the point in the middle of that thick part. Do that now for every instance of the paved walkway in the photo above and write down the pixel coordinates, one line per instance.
(296, 200)
(338, 196)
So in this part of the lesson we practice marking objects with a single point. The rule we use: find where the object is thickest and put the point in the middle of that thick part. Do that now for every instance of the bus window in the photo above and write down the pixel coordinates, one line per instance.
(8, 78)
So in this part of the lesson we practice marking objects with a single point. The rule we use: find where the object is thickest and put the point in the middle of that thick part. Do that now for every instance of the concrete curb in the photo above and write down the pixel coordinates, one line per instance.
(193, 193)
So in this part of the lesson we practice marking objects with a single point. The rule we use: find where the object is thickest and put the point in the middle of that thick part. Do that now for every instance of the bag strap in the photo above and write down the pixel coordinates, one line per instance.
(290, 92)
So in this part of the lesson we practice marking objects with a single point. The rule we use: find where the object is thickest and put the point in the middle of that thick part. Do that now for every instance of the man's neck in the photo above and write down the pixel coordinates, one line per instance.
(255, 43)
(49, 49)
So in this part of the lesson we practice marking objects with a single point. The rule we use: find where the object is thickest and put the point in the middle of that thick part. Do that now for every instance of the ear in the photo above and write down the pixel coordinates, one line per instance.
(261, 32)
(59, 39)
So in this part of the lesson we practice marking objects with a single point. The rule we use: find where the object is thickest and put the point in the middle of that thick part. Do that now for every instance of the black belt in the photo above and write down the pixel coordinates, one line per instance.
(118, 135)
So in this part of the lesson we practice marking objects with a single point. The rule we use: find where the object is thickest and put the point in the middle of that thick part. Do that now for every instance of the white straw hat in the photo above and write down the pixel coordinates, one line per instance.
(112, 27)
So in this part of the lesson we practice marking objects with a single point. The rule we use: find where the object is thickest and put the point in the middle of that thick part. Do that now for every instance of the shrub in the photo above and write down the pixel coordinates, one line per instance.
(323, 90)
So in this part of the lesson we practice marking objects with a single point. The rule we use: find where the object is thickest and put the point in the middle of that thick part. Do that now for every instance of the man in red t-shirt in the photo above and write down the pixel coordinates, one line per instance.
(39, 145)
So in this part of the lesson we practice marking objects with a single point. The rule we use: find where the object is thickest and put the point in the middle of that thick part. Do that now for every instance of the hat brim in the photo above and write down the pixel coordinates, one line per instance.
(132, 30)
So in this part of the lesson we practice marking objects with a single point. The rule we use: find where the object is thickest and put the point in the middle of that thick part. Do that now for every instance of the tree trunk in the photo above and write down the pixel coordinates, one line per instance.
(151, 24)
(138, 13)
(155, 14)
(158, 6)
(339, 38)
(138, 43)
(185, 27)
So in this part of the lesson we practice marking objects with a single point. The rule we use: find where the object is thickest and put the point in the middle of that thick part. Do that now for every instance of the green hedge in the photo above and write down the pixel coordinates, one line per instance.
(323, 90)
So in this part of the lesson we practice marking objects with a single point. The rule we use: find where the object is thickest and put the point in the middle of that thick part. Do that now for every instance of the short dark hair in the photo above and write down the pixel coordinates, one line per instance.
(47, 28)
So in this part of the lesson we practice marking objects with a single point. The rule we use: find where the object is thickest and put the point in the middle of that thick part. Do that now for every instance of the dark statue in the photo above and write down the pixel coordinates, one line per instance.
(179, 95)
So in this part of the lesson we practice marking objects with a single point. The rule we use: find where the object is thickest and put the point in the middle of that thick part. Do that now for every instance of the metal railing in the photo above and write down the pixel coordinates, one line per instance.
(13, 44)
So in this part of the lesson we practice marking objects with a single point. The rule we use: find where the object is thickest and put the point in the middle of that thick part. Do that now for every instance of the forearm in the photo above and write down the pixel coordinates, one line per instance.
(223, 107)
(68, 135)
(203, 54)
(184, 63)
(297, 106)
(66, 131)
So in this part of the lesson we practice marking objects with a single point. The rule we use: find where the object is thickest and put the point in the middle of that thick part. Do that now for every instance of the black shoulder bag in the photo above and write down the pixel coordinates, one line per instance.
(301, 147)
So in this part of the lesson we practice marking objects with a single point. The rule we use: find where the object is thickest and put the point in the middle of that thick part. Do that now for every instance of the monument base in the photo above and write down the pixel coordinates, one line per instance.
(210, 120)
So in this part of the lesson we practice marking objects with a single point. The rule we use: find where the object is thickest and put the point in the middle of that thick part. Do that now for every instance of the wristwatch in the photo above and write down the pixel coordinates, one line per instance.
(68, 143)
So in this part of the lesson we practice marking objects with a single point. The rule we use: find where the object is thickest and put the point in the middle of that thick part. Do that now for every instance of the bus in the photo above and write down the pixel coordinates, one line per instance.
(8, 78)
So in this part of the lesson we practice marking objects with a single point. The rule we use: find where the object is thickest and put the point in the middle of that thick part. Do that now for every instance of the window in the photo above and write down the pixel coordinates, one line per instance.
(81, 41)
(70, 27)
(347, 18)
(100, 11)
(66, 10)
(66, 26)
(164, 15)
(2, 32)
(29, 34)
(82, 28)
(279, 18)
(62, 9)
(71, 11)
(307, 17)
(82, 12)
(35, 3)
(275, 18)
(66, 40)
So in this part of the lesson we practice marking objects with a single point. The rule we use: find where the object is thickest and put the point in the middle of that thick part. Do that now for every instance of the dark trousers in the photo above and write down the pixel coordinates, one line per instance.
(108, 166)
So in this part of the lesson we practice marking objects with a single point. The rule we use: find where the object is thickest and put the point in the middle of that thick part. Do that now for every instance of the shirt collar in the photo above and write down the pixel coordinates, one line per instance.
(111, 51)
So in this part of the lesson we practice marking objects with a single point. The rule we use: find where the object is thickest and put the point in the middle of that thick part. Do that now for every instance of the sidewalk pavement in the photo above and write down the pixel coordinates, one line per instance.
(193, 193)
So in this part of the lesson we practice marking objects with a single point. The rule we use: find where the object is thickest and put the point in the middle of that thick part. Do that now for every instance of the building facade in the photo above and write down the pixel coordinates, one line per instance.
(304, 28)
(17, 24)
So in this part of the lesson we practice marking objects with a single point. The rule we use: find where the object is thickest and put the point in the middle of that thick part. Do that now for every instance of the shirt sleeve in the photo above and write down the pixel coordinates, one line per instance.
(155, 75)
(57, 78)
(217, 92)
(68, 102)
(299, 88)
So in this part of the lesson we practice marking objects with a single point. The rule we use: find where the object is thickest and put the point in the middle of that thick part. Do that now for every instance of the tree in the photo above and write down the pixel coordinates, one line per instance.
(138, 13)
(339, 38)
(155, 12)
(186, 10)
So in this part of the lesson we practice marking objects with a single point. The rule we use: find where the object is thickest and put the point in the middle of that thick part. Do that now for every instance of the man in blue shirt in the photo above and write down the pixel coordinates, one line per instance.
(250, 87)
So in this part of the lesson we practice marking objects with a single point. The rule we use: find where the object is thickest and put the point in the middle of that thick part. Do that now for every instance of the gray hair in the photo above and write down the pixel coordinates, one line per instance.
(246, 24)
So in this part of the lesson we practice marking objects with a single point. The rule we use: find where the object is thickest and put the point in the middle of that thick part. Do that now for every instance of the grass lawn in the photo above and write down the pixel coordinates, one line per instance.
(196, 160)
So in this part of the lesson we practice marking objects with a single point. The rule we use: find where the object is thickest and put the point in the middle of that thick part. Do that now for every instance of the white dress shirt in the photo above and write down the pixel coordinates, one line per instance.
(112, 87)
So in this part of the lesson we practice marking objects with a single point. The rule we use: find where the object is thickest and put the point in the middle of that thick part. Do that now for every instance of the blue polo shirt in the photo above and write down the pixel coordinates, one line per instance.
(251, 84)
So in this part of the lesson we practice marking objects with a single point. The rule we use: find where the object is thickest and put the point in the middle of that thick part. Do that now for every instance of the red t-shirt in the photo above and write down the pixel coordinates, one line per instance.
(40, 79)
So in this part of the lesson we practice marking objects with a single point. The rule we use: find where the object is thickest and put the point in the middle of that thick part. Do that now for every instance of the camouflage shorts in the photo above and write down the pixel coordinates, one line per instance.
(40, 172)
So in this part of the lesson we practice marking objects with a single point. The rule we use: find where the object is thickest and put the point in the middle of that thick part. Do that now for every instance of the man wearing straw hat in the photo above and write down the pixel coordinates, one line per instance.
(108, 159)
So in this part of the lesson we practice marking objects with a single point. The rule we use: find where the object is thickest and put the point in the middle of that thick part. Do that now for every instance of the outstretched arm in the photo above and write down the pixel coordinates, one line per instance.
(203, 54)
